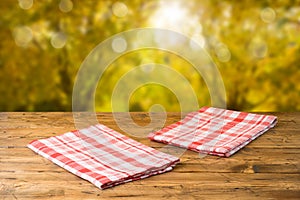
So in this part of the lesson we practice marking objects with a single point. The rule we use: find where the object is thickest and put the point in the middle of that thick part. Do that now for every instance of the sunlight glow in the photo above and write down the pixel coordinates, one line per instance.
(177, 17)
(169, 15)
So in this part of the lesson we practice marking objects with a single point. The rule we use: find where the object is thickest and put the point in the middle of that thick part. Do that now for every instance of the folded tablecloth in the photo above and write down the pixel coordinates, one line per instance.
(215, 131)
(103, 156)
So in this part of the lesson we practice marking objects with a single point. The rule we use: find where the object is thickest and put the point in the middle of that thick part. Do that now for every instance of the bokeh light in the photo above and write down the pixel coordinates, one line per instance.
(268, 15)
(119, 9)
(119, 45)
(65, 6)
(58, 40)
(22, 35)
(222, 52)
(25, 4)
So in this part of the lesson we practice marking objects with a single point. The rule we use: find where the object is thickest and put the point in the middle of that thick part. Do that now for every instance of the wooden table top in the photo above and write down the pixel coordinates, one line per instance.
(267, 168)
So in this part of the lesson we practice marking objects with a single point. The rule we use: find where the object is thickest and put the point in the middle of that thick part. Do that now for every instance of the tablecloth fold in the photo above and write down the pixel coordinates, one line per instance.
(103, 156)
(215, 131)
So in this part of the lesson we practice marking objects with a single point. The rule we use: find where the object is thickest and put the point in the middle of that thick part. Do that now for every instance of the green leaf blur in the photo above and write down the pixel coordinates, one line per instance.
(255, 44)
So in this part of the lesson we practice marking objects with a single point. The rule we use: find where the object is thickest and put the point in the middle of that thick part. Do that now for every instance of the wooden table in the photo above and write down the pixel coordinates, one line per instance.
(267, 168)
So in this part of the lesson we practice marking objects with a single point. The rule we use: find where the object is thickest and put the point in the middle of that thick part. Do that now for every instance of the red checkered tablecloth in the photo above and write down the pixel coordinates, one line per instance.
(103, 156)
(215, 131)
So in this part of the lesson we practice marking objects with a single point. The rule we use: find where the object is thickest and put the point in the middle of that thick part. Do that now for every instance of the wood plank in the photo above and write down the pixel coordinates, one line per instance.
(47, 132)
(211, 184)
(206, 179)
(267, 161)
(287, 121)
(272, 139)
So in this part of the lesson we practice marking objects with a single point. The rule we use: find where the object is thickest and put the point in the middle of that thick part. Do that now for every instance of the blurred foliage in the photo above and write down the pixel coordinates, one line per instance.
(255, 44)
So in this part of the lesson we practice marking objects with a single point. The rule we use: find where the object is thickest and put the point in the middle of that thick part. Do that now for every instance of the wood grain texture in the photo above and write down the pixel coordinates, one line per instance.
(267, 168)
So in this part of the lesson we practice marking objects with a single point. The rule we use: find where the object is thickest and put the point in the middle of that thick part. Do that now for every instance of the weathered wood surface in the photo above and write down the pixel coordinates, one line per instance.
(267, 168)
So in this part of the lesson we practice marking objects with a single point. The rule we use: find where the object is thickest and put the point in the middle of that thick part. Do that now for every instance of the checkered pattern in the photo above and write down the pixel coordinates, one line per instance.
(215, 131)
(103, 156)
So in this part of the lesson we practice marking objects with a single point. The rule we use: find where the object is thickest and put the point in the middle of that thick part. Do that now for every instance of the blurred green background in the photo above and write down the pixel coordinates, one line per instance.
(255, 44)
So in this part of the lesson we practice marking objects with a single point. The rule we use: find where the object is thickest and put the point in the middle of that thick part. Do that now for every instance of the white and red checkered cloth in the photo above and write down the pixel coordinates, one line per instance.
(215, 131)
(103, 156)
